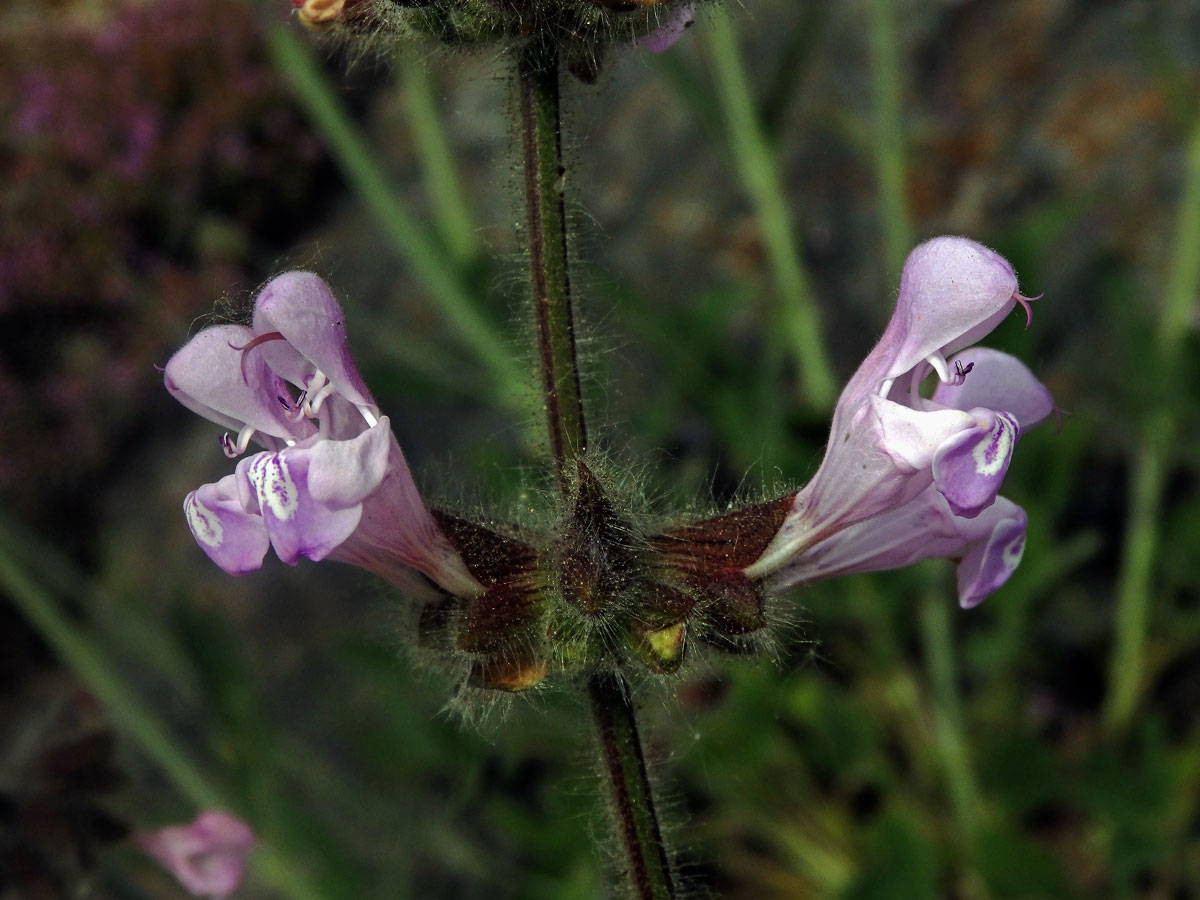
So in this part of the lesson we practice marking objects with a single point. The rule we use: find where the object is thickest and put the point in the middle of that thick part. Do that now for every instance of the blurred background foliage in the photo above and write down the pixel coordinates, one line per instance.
(160, 158)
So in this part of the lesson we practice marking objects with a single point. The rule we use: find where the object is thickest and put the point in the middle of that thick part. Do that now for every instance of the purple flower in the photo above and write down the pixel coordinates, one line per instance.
(332, 481)
(905, 477)
(989, 546)
(208, 857)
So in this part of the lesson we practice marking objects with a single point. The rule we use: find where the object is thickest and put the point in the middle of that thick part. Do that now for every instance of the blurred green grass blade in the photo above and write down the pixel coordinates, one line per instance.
(1183, 276)
(85, 659)
(55, 574)
(792, 67)
(901, 862)
(1148, 467)
(429, 262)
(941, 670)
(81, 655)
(692, 90)
(450, 211)
(1126, 673)
(888, 142)
(758, 168)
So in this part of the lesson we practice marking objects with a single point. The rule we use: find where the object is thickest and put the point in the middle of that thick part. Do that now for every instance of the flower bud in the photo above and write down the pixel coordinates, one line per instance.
(504, 674)
(595, 563)
(661, 649)
(321, 15)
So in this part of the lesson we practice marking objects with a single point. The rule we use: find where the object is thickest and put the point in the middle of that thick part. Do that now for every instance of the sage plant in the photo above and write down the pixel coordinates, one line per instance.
(601, 598)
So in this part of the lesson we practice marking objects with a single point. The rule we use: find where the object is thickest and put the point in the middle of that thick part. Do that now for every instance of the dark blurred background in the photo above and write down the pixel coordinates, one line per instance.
(161, 158)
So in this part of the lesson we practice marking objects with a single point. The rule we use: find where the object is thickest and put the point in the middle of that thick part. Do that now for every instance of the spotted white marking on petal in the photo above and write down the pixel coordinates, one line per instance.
(205, 524)
(273, 483)
(991, 455)
(1013, 551)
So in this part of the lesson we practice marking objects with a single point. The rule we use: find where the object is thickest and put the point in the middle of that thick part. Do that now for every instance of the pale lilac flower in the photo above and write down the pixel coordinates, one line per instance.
(907, 478)
(332, 482)
(679, 18)
(207, 857)
(989, 546)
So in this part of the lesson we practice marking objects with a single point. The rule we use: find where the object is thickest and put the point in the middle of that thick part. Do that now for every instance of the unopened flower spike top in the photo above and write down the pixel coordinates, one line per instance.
(582, 28)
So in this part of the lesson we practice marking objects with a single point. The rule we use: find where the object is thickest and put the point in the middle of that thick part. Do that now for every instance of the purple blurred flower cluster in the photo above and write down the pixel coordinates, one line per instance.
(140, 150)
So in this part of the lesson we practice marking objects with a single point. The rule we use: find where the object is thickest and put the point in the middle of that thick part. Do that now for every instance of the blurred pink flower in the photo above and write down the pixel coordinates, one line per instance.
(207, 857)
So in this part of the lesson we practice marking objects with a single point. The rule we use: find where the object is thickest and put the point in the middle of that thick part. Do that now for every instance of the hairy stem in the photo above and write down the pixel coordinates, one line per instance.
(612, 709)
(541, 145)
(649, 869)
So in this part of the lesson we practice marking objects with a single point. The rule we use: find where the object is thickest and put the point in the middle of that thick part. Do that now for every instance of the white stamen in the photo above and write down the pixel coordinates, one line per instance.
(368, 416)
(234, 449)
(314, 404)
(886, 387)
(315, 384)
(938, 362)
(914, 388)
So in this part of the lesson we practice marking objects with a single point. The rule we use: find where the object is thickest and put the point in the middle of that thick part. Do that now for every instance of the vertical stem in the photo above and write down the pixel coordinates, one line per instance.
(632, 798)
(541, 140)
(612, 709)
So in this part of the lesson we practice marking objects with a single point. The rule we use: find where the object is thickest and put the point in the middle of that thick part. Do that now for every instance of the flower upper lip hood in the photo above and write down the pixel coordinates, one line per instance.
(332, 482)
(212, 377)
(953, 291)
(888, 444)
(299, 308)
